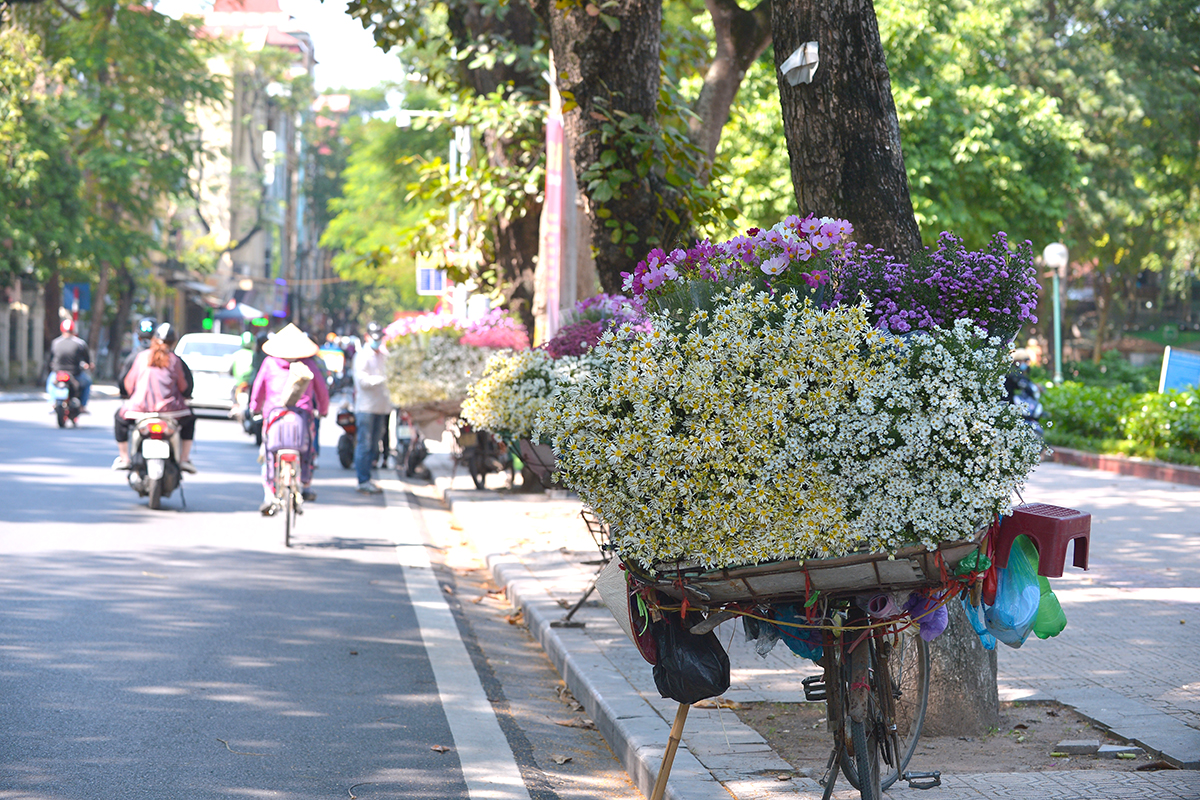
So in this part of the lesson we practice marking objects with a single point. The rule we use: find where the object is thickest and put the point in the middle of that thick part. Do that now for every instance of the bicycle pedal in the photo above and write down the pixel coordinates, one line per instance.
(923, 780)
(814, 688)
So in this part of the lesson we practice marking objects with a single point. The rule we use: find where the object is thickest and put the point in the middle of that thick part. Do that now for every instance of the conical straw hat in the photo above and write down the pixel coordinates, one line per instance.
(290, 343)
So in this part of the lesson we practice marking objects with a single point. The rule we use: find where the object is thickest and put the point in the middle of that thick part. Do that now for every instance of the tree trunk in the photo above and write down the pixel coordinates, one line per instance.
(1104, 302)
(621, 68)
(53, 302)
(741, 37)
(842, 132)
(98, 308)
(120, 322)
(963, 697)
(515, 232)
(844, 142)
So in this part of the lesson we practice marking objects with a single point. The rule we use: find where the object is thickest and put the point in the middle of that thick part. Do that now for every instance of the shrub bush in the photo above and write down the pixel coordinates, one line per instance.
(1093, 411)
(1164, 420)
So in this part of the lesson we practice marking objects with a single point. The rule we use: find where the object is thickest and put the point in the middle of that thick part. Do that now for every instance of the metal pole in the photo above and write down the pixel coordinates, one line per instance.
(1058, 375)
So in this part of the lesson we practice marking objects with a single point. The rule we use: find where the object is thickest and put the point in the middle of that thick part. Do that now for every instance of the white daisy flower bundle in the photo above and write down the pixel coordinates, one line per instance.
(761, 427)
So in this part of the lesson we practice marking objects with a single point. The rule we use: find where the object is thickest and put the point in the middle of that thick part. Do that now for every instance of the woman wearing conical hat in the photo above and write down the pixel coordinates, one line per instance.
(288, 411)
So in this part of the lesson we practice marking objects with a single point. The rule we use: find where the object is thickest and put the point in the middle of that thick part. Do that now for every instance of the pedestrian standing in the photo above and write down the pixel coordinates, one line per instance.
(371, 404)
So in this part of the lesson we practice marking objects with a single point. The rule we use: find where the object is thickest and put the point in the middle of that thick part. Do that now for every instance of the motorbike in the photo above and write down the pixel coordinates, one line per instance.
(482, 453)
(64, 394)
(250, 421)
(154, 445)
(1026, 396)
(346, 442)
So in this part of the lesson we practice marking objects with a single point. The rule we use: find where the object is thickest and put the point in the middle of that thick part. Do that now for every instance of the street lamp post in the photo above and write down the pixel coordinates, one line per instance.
(1056, 258)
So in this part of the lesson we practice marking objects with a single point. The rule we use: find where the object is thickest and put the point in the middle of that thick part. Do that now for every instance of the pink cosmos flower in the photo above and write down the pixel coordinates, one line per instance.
(821, 242)
(775, 265)
(810, 226)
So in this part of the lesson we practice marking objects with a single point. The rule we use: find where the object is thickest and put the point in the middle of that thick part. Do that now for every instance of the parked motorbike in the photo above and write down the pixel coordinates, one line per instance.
(154, 446)
(1024, 393)
(346, 442)
(64, 394)
(482, 453)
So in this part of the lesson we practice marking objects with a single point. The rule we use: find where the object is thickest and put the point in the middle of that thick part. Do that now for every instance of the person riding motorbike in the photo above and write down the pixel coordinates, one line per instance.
(158, 382)
(288, 425)
(121, 425)
(69, 353)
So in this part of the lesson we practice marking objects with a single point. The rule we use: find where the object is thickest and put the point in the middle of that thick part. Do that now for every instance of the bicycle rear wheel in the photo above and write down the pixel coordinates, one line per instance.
(285, 490)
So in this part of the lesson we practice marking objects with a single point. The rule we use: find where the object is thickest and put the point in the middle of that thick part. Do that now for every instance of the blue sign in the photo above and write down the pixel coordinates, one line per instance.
(431, 281)
(85, 296)
(1180, 370)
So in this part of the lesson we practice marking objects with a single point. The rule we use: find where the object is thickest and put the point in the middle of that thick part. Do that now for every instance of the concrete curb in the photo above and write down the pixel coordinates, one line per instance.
(1123, 465)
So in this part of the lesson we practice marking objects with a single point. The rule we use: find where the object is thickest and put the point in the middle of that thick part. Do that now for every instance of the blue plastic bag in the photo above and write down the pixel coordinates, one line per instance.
(804, 642)
(1018, 595)
(975, 617)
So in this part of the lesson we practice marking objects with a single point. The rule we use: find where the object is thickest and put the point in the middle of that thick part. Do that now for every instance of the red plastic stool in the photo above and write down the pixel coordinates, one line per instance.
(1051, 529)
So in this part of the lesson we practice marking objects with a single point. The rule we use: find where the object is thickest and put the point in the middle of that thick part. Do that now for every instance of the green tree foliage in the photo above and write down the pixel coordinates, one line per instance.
(1129, 73)
(126, 107)
(984, 150)
(40, 220)
(372, 217)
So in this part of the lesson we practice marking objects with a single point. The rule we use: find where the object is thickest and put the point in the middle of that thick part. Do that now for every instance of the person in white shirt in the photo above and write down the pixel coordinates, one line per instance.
(371, 404)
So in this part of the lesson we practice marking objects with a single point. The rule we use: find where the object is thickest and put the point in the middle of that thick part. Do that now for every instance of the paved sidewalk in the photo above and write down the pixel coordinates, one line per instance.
(1125, 660)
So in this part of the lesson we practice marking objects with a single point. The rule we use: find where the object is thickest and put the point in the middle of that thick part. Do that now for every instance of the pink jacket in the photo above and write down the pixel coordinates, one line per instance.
(155, 388)
(267, 392)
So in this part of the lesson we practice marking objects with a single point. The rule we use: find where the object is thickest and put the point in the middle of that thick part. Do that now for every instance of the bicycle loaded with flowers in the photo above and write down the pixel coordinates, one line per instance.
(812, 435)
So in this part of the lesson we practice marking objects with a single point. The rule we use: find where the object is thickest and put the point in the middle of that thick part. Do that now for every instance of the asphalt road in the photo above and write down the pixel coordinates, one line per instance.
(185, 653)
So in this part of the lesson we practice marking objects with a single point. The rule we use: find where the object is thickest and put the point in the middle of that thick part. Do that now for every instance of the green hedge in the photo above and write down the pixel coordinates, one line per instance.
(1119, 419)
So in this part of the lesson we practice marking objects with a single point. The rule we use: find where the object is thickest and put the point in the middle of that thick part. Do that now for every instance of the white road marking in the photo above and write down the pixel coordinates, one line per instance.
(488, 766)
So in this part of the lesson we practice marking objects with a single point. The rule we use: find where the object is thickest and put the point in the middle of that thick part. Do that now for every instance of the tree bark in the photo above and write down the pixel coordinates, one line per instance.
(621, 68)
(842, 132)
(1104, 302)
(741, 37)
(53, 301)
(963, 696)
(120, 321)
(98, 308)
(514, 233)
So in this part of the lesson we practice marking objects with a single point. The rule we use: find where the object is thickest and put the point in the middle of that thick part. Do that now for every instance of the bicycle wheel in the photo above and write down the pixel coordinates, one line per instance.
(896, 706)
(906, 662)
(861, 761)
(284, 487)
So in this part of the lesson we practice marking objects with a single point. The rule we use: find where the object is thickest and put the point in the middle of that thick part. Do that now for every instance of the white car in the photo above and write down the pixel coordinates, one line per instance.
(210, 358)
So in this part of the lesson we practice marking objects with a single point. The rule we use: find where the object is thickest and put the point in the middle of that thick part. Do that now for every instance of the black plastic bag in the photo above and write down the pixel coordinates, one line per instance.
(690, 668)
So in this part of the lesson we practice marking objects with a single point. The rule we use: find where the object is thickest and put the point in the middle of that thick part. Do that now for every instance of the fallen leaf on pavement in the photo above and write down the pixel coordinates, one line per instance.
(716, 702)
(516, 618)
(440, 748)
(578, 722)
(561, 759)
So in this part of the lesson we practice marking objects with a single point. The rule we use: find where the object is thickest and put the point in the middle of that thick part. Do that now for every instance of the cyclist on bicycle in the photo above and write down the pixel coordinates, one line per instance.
(288, 422)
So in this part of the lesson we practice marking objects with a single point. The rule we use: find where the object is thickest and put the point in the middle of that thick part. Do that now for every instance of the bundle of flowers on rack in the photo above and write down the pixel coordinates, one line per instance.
(767, 417)
(515, 385)
(588, 321)
(434, 357)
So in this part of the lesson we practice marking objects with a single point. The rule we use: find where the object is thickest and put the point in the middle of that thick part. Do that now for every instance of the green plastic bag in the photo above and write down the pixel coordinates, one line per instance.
(1050, 619)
